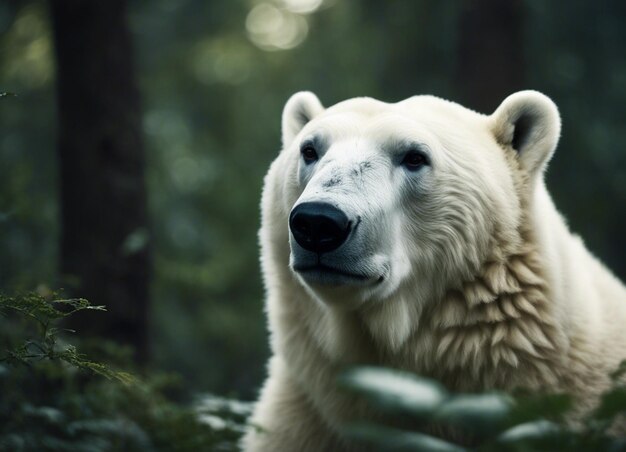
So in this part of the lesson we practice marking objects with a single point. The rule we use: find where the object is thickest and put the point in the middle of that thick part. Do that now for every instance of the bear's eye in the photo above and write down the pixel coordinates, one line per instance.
(309, 154)
(414, 160)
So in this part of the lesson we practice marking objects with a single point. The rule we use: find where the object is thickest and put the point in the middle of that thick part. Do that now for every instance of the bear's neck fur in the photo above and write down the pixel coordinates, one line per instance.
(497, 329)
(496, 326)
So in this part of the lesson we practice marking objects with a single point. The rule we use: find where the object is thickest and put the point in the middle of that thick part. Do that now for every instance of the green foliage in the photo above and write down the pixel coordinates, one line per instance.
(43, 314)
(396, 391)
(55, 398)
(486, 422)
(391, 439)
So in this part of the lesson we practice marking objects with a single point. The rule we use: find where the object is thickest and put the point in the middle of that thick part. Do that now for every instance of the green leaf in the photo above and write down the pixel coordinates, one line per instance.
(389, 439)
(395, 391)
(535, 407)
(71, 356)
(478, 413)
(77, 304)
(530, 431)
(50, 415)
(611, 404)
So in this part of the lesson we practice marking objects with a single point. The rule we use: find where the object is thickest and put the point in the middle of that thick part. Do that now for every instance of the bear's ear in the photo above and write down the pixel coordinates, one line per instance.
(529, 123)
(298, 111)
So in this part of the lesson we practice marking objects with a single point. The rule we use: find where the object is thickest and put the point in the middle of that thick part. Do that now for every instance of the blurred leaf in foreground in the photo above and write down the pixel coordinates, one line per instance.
(389, 439)
(533, 435)
(480, 413)
(395, 391)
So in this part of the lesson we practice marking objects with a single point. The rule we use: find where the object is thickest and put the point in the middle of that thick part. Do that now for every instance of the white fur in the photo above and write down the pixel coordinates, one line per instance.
(483, 286)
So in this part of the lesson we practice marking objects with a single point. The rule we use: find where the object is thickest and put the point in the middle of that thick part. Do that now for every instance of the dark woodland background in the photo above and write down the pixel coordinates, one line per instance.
(133, 151)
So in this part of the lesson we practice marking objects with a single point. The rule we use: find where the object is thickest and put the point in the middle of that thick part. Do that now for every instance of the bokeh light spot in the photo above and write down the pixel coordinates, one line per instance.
(271, 28)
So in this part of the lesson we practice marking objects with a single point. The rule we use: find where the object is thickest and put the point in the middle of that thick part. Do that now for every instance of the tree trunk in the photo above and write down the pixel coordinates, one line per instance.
(104, 250)
(491, 46)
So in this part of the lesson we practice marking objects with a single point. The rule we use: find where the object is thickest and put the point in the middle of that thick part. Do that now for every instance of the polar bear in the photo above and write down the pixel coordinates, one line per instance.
(420, 235)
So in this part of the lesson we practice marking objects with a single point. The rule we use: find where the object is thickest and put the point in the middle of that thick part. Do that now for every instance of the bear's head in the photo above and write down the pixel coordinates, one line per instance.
(370, 202)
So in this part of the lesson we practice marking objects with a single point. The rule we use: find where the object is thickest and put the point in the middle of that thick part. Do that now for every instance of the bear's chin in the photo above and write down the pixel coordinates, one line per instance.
(340, 290)
(324, 275)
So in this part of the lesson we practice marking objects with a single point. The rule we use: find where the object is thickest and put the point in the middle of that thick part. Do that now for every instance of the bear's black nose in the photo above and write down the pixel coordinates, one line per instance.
(318, 226)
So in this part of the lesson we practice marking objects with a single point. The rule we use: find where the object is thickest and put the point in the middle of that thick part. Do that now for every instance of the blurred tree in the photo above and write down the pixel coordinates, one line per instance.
(104, 249)
(490, 52)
